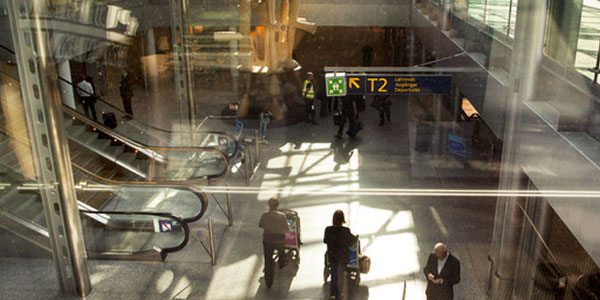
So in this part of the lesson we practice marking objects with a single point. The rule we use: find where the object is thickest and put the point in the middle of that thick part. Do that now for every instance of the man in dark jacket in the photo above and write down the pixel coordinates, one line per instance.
(442, 272)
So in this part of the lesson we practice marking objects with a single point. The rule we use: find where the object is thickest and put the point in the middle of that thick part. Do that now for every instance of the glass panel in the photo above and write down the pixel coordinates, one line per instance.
(589, 39)
(131, 233)
(486, 147)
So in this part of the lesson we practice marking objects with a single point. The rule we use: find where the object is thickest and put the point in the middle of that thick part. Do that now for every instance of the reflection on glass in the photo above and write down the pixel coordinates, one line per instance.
(503, 167)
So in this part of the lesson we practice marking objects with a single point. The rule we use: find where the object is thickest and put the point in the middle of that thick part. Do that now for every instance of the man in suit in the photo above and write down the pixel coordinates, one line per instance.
(442, 272)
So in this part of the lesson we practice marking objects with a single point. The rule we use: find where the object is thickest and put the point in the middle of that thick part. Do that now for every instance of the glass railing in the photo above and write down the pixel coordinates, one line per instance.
(180, 199)
(143, 235)
(190, 154)
(171, 163)
(98, 193)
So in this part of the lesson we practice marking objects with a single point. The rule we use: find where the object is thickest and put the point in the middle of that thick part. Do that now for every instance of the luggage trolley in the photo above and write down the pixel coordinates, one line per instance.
(352, 268)
(292, 237)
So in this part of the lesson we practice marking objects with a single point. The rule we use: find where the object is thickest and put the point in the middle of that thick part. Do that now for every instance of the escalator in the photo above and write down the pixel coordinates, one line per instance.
(136, 151)
(119, 221)
(135, 199)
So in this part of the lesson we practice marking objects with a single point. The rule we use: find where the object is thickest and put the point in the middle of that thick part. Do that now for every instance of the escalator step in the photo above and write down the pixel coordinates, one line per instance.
(127, 158)
(114, 151)
(88, 138)
(100, 144)
(24, 206)
(17, 199)
(142, 165)
(5, 198)
(40, 218)
(33, 209)
(74, 131)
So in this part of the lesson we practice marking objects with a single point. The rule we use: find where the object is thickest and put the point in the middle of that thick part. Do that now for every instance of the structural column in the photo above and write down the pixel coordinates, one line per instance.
(526, 60)
(182, 67)
(42, 102)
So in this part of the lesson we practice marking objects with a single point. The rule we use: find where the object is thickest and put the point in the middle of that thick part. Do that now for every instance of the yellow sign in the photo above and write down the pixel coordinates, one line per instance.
(355, 82)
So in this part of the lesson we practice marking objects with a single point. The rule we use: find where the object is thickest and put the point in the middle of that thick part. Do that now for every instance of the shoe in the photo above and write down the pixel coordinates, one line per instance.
(337, 136)
(381, 123)
(315, 123)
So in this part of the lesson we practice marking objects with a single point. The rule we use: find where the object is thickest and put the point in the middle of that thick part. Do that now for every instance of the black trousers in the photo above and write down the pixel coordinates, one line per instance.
(269, 248)
(351, 121)
(89, 105)
(310, 109)
(325, 105)
(384, 111)
(127, 104)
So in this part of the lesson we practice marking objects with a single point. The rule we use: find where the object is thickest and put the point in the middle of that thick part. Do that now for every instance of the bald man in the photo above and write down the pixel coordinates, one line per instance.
(442, 272)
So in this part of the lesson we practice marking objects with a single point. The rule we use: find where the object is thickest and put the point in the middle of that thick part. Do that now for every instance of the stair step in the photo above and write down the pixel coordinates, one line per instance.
(16, 199)
(33, 210)
(40, 219)
(24, 206)
(127, 158)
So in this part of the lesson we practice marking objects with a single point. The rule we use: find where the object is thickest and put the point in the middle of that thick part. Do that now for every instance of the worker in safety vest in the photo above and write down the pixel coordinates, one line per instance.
(308, 93)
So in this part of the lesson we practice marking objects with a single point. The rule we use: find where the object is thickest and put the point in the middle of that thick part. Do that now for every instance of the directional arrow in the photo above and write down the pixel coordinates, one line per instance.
(354, 82)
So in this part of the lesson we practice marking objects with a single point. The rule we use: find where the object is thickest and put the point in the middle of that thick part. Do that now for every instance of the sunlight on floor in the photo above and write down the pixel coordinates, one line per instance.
(222, 284)
(310, 167)
(182, 289)
(164, 281)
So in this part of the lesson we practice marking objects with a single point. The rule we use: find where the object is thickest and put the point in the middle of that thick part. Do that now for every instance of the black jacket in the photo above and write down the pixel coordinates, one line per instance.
(338, 239)
(450, 275)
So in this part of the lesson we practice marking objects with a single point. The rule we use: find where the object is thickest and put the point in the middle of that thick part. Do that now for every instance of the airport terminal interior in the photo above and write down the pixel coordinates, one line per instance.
(142, 140)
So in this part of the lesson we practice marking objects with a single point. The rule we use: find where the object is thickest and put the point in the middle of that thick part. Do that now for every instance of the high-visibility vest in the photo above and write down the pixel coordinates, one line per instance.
(310, 94)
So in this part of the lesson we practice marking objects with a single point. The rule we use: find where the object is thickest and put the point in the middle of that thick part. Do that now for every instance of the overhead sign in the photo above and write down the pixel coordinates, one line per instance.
(456, 145)
(356, 85)
(399, 84)
(335, 84)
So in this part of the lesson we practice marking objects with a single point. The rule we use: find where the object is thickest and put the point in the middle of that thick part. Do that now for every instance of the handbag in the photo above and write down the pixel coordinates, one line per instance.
(364, 264)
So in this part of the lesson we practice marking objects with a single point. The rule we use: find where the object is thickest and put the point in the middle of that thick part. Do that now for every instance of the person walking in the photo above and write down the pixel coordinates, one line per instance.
(126, 94)
(349, 113)
(442, 272)
(308, 94)
(274, 225)
(338, 239)
(86, 94)
(382, 103)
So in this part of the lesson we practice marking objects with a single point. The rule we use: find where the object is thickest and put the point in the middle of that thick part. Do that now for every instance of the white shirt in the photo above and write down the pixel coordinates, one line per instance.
(442, 262)
(85, 89)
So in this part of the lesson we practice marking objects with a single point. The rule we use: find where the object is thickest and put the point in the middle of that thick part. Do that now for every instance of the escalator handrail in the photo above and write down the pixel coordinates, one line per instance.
(120, 110)
(161, 184)
(149, 150)
(231, 137)
(175, 185)
(179, 220)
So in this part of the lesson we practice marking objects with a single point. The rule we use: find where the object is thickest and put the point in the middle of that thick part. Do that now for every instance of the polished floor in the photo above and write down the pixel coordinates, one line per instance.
(314, 174)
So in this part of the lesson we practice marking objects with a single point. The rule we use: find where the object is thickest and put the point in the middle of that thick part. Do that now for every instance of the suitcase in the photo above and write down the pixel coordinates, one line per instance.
(358, 127)
(110, 120)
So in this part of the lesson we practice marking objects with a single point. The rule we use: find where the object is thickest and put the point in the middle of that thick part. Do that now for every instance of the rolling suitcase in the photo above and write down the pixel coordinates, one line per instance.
(357, 127)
